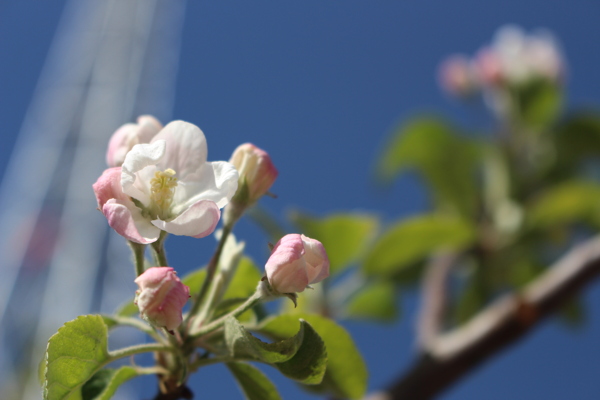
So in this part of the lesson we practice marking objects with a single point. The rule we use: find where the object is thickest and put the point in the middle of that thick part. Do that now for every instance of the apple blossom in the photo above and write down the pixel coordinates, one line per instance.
(128, 135)
(170, 187)
(161, 297)
(515, 57)
(295, 262)
(457, 77)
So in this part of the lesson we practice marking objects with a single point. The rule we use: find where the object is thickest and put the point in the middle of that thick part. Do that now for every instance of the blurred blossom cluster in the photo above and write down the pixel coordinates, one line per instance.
(514, 61)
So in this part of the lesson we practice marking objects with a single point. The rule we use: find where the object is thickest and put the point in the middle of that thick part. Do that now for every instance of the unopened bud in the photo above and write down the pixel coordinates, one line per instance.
(129, 135)
(161, 297)
(296, 262)
(256, 170)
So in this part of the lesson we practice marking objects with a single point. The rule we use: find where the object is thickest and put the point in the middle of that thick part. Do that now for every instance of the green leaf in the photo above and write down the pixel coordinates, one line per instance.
(244, 280)
(242, 344)
(74, 354)
(377, 301)
(577, 138)
(570, 202)
(253, 383)
(573, 314)
(411, 240)
(539, 102)
(127, 309)
(195, 279)
(346, 374)
(447, 160)
(344, 236)
(471, 299)
(104, 383)
(309, 363)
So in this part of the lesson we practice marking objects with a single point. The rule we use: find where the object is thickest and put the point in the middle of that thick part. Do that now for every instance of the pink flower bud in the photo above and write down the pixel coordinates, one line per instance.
(161, 297)
(255, 168)
(456, 76)
(296, 262)
(129, 135)
(488, 67)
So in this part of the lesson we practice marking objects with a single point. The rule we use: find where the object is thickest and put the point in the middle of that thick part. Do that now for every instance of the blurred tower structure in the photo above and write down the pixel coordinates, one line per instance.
(110, 61)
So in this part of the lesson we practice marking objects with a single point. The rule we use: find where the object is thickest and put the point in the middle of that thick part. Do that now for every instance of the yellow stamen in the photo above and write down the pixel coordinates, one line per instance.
(163, 187)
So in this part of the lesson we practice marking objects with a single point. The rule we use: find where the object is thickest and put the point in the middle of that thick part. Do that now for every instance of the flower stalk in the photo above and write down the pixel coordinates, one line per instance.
(138, 251)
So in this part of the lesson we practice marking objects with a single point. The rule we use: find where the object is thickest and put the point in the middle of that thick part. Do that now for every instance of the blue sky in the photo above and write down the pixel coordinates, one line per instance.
(319, 84)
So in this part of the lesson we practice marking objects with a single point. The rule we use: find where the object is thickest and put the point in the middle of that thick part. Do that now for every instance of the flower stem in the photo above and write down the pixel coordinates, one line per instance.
(140, 348)
(210, 271)
(138, 250)
(216, 324)
(158, 250)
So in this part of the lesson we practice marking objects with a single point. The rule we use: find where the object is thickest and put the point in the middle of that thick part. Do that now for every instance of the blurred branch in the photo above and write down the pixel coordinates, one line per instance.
(433, 298)
(452, 355)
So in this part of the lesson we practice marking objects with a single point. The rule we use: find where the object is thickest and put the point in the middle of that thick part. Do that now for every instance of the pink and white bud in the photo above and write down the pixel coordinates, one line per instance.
(456, 76)
(296, 262)
(255, 168)
(488, 68)
(161, 297)
(128, 135)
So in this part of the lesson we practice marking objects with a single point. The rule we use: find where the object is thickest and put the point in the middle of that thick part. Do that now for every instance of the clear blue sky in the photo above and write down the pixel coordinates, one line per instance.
(319, 84)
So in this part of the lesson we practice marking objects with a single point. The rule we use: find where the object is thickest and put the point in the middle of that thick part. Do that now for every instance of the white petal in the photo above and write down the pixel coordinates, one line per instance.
(198, 221)
(186, 148)
(216, 181)
(139, 158)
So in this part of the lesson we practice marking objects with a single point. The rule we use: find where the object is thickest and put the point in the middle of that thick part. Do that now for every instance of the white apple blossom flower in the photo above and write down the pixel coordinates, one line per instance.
(170, 185)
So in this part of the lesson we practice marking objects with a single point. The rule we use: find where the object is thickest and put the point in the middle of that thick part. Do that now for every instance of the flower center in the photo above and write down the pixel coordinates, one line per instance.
(162, 188)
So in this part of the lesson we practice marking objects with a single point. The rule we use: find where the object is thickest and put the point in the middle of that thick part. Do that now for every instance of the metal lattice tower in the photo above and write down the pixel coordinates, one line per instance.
(110, 61)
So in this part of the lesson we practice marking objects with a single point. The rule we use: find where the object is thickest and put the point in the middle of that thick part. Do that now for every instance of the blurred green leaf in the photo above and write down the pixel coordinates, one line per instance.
(377, 301)
(242, 344)
(539, 102)
(253, 383)
(104, 383)
(127, 309)
(567, 203)
(573, 314)
(346, 374)
(413, 239)
(195, 279)
(244, 281)
(344, 236)
(447, 160)
(471, 299)
(74, 354)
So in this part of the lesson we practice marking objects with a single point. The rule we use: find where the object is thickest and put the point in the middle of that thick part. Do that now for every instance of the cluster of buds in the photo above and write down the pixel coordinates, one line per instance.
(159, 180)
(514, 58)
